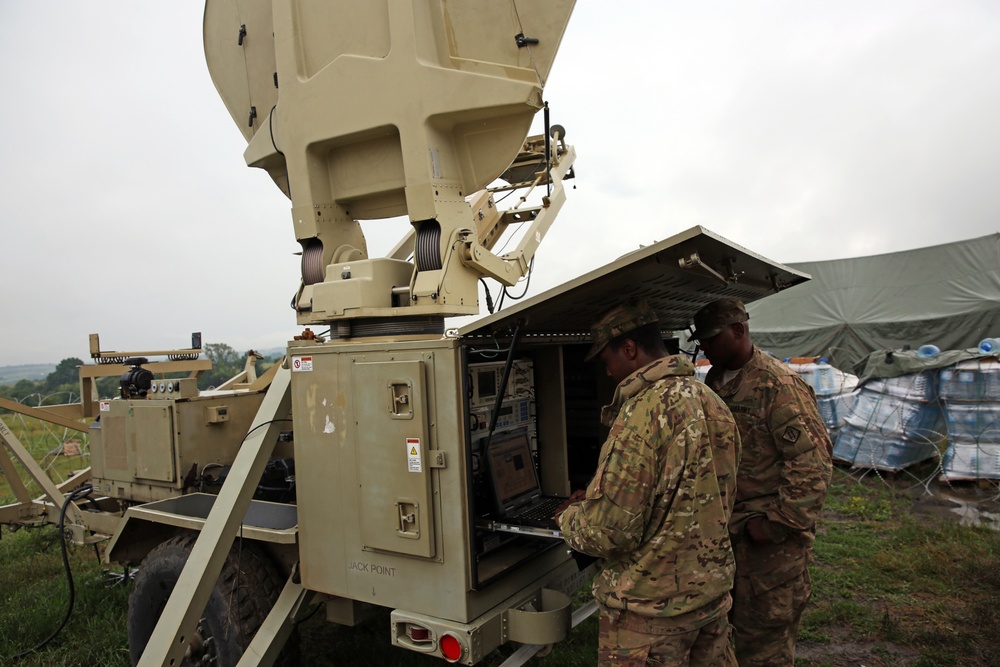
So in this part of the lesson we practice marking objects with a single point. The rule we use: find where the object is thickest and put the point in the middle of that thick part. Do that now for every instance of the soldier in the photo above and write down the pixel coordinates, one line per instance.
(658, 506)
(783, 477)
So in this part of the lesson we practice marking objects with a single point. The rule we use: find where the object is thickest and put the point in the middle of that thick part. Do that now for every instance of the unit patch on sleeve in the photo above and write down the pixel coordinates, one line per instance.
(791, 434)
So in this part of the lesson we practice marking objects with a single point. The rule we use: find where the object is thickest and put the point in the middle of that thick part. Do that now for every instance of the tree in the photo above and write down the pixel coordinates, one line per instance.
(19, 391)
(226, 362)
(66, 373)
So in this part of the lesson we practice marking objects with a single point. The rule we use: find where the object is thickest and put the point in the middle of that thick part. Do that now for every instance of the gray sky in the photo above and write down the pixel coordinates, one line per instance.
(802, 130)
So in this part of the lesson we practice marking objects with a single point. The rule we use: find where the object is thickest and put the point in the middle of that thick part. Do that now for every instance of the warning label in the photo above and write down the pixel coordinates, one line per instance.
(413, 462)
(302, 364)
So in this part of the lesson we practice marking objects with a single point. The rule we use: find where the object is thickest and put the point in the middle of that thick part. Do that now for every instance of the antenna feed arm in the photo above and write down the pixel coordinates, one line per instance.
(513, 266)
(506, 270)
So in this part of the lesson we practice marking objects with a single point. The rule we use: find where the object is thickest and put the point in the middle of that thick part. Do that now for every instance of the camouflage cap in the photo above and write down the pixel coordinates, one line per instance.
(716, 316)
(619, 320)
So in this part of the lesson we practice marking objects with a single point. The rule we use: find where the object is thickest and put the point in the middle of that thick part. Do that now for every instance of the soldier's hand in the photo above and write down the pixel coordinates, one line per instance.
(575, 497)
(755, 529)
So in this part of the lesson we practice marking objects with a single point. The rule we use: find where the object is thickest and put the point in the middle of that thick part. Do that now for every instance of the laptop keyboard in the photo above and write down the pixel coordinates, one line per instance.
(543, 509)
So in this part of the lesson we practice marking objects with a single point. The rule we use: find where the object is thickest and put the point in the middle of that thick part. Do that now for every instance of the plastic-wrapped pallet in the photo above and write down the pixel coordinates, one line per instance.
(915, 386)
(970, 460)
(835, 389)
(881, 451)
(970, 391)
(972, 380)
(822, 377)
(974, 421)
(835, 408)
(893, 423)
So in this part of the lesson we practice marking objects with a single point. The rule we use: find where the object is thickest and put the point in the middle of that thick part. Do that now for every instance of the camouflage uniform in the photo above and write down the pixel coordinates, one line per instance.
(657, 511)
(783, 476)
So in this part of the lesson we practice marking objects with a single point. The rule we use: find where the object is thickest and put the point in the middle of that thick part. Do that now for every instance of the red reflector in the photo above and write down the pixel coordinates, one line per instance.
(451, 648)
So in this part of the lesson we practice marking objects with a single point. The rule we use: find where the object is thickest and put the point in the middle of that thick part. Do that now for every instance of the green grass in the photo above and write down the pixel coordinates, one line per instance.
(34, 595)
(43, 440)
(892, 588)
(899, 588)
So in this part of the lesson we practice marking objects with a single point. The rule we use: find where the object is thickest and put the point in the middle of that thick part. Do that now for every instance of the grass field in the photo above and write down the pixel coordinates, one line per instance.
(45, 442)
(894, 585)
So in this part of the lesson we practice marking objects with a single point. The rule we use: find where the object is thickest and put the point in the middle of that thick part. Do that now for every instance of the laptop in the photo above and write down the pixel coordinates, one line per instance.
(520, 506)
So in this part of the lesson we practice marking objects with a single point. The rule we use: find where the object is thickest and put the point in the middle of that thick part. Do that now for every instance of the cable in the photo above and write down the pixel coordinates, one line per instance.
(210, 481)
(502, 389)
(489, 297)
(531, 56)
(489, 352)
(78, 493)
(270, 127)
(527, 284)
(261, 425)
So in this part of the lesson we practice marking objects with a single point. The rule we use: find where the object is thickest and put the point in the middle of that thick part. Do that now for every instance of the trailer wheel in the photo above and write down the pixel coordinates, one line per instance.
(241, 599)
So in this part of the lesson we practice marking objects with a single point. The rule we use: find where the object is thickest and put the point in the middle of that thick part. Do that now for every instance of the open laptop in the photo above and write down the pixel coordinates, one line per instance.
(520, 505)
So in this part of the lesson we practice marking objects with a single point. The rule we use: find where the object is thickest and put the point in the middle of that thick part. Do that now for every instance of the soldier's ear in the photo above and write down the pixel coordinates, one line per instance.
(630, 349)
(739, 329)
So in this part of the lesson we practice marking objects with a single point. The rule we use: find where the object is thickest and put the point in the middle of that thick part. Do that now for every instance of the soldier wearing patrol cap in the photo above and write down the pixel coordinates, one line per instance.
(658, 507)
(783, 476)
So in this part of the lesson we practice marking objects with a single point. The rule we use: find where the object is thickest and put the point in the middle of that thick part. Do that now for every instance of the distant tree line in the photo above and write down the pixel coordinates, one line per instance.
(63, 384)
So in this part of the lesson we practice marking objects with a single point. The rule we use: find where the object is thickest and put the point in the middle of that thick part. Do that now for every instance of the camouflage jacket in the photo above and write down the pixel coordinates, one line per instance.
(785, 465)
(660, 501)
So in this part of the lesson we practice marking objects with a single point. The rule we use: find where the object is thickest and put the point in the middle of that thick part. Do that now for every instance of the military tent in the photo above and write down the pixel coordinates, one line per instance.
(946, 295)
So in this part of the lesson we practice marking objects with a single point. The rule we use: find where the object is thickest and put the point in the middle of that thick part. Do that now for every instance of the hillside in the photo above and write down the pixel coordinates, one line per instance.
(11, 374)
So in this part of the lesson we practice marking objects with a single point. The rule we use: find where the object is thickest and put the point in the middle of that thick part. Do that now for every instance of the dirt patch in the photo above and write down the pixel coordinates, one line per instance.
(843, 651)
(971, 504)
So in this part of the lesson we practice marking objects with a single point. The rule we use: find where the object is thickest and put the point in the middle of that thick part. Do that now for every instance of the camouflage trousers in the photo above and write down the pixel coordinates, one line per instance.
(631, 640)
(771, 589)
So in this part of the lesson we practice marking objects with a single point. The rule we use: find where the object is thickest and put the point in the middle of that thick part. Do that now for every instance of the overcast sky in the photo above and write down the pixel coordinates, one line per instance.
(801, 130)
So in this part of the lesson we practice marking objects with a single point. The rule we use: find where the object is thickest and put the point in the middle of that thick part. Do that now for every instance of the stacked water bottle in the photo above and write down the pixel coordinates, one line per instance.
(835, 389)
(894, 423)
(970, 391)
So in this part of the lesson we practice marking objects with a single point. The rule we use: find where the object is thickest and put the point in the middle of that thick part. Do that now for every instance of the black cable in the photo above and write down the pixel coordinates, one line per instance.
(527, 285)
(316, 608)
(261, 425)
(509, 193)
(502, 389)
(270, 127)
(489, 297)
(78, 493)
(548, 153)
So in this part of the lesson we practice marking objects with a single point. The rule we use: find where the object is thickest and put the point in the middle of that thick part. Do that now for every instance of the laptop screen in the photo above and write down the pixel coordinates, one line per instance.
(512, 470)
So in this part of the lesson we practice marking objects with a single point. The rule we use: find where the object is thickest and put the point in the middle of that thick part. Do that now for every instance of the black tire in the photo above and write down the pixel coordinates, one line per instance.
(231, 617)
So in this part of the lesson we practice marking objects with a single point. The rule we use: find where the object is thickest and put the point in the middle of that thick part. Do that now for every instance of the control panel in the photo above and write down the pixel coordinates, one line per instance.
(516, 410)
(485, 380)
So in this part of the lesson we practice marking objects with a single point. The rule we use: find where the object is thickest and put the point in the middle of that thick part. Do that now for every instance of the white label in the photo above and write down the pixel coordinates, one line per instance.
(413, 463)
(105, 406)
(302, 364)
